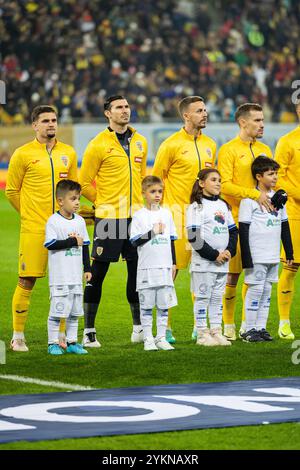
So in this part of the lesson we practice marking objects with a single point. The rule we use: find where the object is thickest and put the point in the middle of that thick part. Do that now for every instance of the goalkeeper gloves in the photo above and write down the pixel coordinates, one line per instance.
(279, 199)
(88, 213)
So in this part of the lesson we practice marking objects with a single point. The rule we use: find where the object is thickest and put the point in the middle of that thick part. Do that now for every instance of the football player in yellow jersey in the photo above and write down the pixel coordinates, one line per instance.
(287, 154)
(116, 160)
(234, 164)
(34, 170)
(178, 161)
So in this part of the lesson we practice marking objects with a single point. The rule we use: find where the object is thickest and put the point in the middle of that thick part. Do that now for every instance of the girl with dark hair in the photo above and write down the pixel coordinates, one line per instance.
(213, 235)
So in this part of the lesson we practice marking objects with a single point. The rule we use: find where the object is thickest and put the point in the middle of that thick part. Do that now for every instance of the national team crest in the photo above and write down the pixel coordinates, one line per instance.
(209, 153)
(99, 250)
(64, 159)
(139, 146)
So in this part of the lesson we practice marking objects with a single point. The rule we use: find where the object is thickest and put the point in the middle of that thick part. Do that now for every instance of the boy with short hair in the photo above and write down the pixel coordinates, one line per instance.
(153, 232)
(67, 241)
(260, 233)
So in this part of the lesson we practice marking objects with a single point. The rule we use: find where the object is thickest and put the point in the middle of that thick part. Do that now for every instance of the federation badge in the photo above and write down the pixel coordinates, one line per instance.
(209, 153)
(99, 250)
(64, 159)
(59, 307)
(203, 288)
(139, 146)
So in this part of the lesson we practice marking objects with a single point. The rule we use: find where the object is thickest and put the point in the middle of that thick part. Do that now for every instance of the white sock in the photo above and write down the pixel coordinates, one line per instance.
(252, 300)
(53, 330)
(17, 335)
(243, 325)
(72, 329)
(200, 309)
(138, 328)
(89, 330)
(146, 323)
(283, 322)
(264, 307)
(161, 322)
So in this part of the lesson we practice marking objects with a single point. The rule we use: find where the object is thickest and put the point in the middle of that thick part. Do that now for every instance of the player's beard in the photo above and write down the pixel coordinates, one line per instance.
(51, 134)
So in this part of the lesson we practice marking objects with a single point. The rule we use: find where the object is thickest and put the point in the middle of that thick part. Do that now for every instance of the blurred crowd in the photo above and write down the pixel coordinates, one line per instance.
(74, 53)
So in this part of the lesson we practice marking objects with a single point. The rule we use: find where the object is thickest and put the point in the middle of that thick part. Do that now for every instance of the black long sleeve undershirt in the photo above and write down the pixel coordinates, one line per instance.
(232, 242)
(245, 246)
(70, 243)
(147, 237)
(287, 240)
(200, 246)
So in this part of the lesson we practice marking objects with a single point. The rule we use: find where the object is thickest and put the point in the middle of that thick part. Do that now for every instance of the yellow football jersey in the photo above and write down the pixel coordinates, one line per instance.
(31, 181)
(118, 192)
(234, 164)
(178, 161)
(287, 154)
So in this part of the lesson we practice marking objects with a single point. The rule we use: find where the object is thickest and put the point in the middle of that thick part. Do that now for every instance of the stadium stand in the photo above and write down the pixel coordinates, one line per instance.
(72, 54)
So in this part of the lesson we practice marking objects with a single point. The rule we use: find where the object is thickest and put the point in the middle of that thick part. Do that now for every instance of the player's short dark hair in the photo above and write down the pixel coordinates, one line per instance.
(64, 186)
(261, 164)
(150, 180)
(185, 102)
(110, 99)
(40, 110)
(244, 110)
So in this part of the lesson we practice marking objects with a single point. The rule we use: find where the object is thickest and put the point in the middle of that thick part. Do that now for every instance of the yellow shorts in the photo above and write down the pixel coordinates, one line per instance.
(33, 256)
(295, 232)
(183, 252)
(235, 264)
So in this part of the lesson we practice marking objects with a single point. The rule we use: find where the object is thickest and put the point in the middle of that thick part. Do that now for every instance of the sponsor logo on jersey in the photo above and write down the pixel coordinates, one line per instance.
(273, 223)
(138, 159)
(63, 175)
(220, 217)
(64, 159)
(139, 146)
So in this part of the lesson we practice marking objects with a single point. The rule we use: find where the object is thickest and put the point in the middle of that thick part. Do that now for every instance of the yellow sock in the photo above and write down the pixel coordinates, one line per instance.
(244, 292)
(62, 325)
(20, 306)
(285, 291)
(229, 304)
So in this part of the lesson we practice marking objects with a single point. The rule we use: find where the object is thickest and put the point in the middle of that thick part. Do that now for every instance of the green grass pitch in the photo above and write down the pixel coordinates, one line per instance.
(120, 364)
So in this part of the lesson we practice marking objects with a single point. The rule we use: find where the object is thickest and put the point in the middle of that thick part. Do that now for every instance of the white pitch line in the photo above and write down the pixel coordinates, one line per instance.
(46, 383)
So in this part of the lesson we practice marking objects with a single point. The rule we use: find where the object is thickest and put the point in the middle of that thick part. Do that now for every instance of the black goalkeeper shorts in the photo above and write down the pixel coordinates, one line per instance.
(111, 239)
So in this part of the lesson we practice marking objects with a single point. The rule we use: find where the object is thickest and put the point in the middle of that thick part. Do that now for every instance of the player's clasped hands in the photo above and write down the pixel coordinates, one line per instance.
(158, 228)
(87, 276)
(223, 257)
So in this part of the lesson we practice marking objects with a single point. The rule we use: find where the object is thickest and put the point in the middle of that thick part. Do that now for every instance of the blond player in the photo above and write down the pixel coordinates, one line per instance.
(287, 154)
(34, 170)
(234, 163)
(178, 162)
